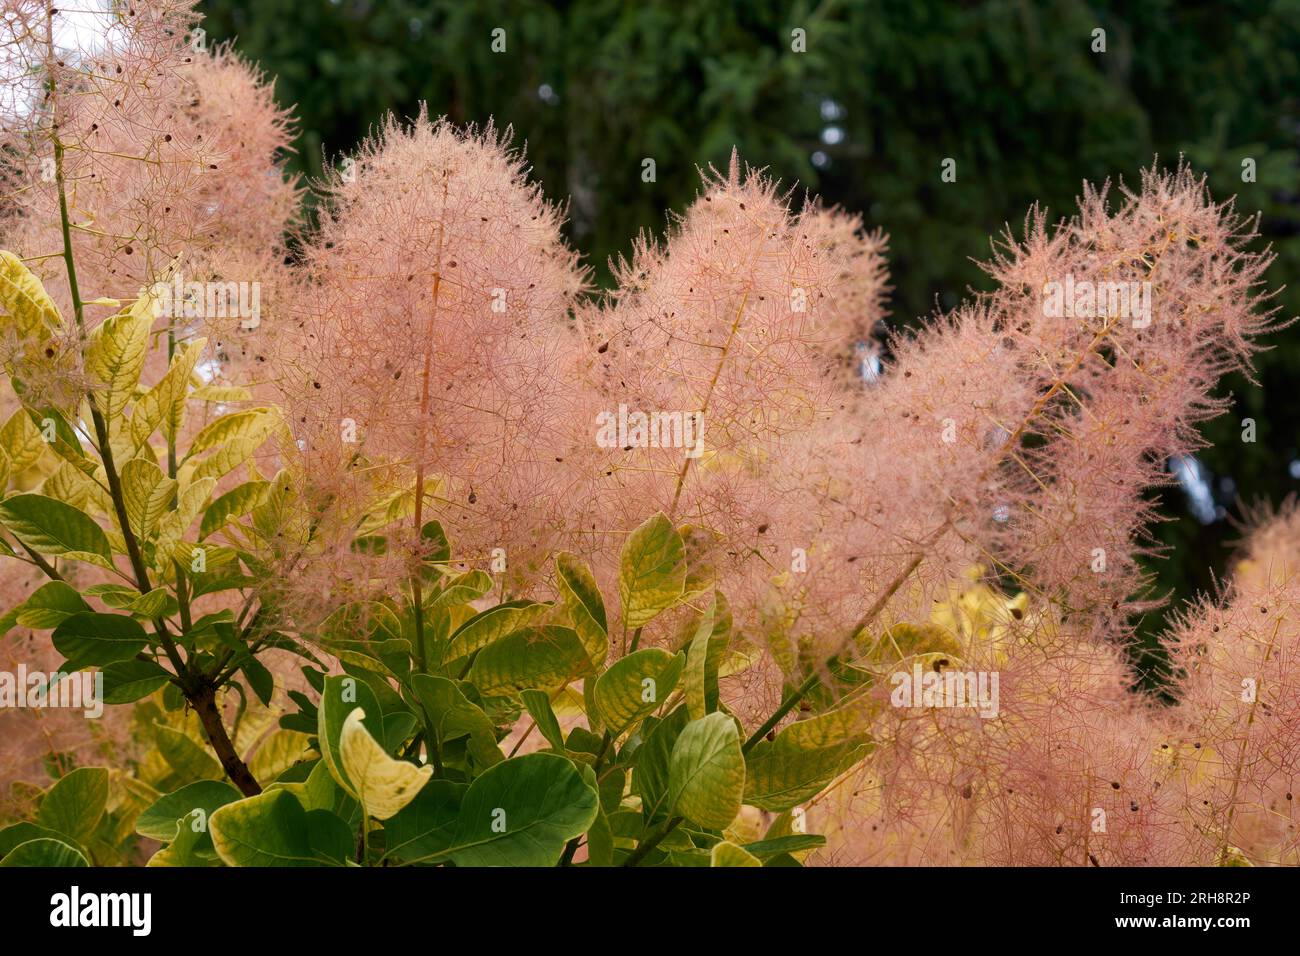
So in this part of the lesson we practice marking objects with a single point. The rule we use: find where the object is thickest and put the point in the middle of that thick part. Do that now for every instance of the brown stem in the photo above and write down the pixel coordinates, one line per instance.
(204, 701)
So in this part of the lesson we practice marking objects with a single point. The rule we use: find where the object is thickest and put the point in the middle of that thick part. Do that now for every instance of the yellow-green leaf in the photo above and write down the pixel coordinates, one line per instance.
(278, 752)
(50, 526)
(44, 852)
(701, 549)
(49, 606)
(487, 626)
(273, 829)
(76, 802)
(223, 394)
(705, 656)
(157, 603)
(226, 458)
(383, 785)
(635, 686)
(147, 492)
(706, 773)
(534, 658)
(783, 773)
(185, 755)
(580, 596)
(235, 503)
(25, 300)
(849, 721)
(164, 404)
(115, 354)
(22, 441)
(253, 423)
(652, 571)
(728, 854)
(192, 498)
(69, 484)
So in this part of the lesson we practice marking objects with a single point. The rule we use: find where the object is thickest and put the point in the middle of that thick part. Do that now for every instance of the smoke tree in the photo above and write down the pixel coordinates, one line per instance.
(426, 553)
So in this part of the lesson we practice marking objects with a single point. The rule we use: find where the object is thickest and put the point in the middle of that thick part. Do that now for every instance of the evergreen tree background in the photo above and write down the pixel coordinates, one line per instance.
(886, 90)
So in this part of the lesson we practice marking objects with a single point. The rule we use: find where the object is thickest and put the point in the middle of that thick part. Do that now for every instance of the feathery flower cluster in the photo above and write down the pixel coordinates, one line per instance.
(434, 344)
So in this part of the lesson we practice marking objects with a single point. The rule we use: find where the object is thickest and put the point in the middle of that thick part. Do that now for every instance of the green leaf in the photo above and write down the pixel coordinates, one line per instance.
(12, 836)
(491, 625)
(434, 538)
(535, 658)
(75, 804)
(707, 650)
(449, 714)
(613, 783)
(635, 686)
(260, 679)
(521, 813)
(94, 640)
(782, 773)
(653, 759)
(128, 681)
(44, 852)
(600, 841)
(320, 792)
(538, 704)
(185, 755)
(159, 821)
(273, 829)
(462, 589)
(652, 571)
(794, 843)
(707, 772)
(424, 828)
(50, 605)
(192, 845)
(342, 695)
(49, 526)
(728, 854)
(580, 596)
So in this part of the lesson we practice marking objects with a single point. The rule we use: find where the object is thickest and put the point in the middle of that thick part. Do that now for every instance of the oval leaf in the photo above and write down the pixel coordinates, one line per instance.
(159, 821)
(44, 851)
(75, 804)
(535, 658)
(706, 775)
(652, 571)
(635, 686)
(383, 785)
(49, 526)
(93, 640)
(521, 813)
(273, 829)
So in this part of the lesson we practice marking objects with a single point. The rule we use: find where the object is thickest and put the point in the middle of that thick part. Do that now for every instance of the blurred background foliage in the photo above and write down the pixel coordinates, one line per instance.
(884, 92)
